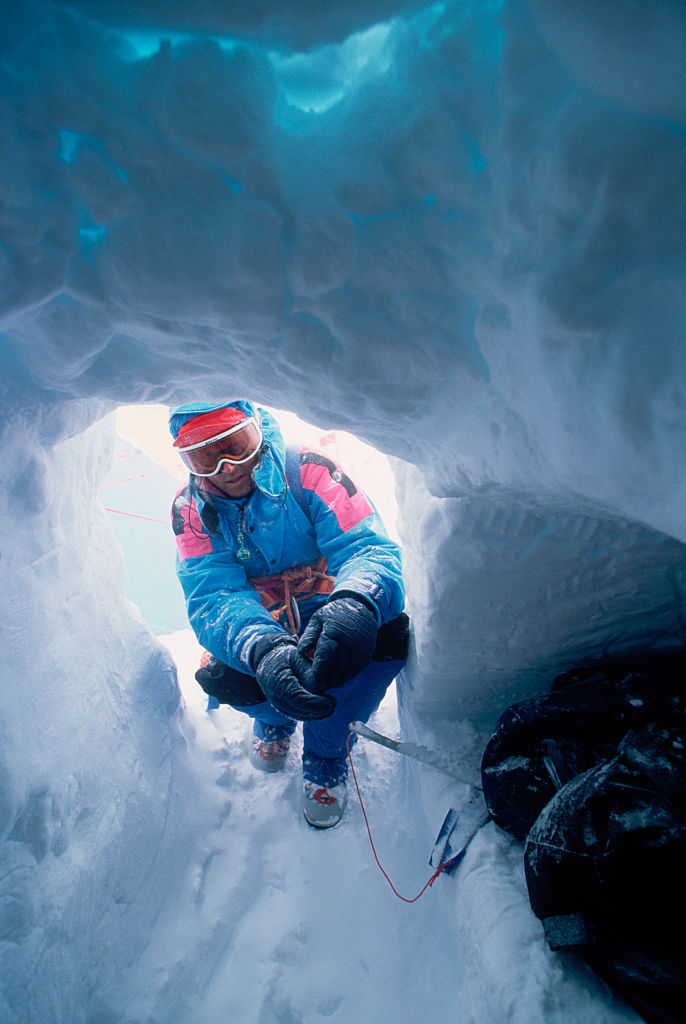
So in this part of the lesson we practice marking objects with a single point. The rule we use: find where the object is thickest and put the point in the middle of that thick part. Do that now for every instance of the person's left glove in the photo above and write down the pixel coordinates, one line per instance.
(342, 635)
(287, 679)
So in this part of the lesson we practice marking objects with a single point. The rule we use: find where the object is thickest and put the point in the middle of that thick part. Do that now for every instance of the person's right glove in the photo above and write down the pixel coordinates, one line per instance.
(287, 679)
(342, 635)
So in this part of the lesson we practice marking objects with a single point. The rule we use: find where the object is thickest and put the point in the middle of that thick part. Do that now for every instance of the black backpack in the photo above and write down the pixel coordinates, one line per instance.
(591, 777)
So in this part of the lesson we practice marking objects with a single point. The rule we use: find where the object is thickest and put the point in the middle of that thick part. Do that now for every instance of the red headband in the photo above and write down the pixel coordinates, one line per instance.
(207, 424)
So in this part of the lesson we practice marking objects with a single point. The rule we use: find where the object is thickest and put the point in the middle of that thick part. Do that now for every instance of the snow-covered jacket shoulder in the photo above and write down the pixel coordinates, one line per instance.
(223, 544)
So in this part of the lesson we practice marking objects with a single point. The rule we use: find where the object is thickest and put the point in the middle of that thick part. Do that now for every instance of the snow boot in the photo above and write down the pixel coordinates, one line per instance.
(268, 752)
(325, 791)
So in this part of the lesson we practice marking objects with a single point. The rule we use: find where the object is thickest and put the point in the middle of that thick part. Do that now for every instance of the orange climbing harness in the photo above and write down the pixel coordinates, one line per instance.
(281, 592)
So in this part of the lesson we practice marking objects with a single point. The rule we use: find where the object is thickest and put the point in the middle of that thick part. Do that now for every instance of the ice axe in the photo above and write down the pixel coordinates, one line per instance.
(441, 762)
(459, 827)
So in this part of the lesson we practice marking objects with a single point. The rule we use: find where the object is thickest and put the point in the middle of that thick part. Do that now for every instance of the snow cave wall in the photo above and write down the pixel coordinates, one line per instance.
(456, 230)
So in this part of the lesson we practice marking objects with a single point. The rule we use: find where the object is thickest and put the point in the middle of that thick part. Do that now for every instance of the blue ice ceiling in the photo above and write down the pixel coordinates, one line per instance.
(491, 191)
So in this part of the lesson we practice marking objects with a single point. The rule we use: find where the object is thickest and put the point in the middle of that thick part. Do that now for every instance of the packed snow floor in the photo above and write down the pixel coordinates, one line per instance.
(301, 926)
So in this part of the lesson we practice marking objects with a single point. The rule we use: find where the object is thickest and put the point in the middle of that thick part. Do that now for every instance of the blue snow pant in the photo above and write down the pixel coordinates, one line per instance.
(356, 699)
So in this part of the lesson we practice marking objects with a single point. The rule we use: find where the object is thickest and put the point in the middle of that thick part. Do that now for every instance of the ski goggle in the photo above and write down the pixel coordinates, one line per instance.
(236, 445)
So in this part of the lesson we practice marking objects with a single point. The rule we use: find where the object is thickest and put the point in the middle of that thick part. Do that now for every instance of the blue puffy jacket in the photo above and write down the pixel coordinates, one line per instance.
(225, 543)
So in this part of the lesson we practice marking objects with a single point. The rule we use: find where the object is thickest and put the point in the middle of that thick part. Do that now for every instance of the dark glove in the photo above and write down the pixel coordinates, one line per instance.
(342, 635)
(287, 679)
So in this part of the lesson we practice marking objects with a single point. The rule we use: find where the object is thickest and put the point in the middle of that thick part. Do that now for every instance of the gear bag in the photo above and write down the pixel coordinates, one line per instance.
(592, 779)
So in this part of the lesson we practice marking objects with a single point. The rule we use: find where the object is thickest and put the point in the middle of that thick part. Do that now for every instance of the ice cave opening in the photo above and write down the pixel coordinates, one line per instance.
(146, 473)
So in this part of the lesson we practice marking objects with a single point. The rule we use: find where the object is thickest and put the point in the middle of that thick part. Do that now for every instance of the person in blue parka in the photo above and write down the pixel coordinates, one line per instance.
(292, 586)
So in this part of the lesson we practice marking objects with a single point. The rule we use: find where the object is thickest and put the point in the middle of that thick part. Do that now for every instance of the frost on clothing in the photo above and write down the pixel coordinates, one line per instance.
(224, 544)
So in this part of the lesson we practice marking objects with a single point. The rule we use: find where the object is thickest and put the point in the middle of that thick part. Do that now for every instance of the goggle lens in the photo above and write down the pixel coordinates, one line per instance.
(237, 445)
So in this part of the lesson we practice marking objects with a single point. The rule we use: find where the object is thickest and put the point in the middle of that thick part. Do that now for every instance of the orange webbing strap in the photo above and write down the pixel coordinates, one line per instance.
(302, 581)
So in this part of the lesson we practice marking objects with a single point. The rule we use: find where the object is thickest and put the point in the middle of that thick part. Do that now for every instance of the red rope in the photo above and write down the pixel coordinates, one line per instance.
(125, 480)
(436, 873)
(134, 516)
